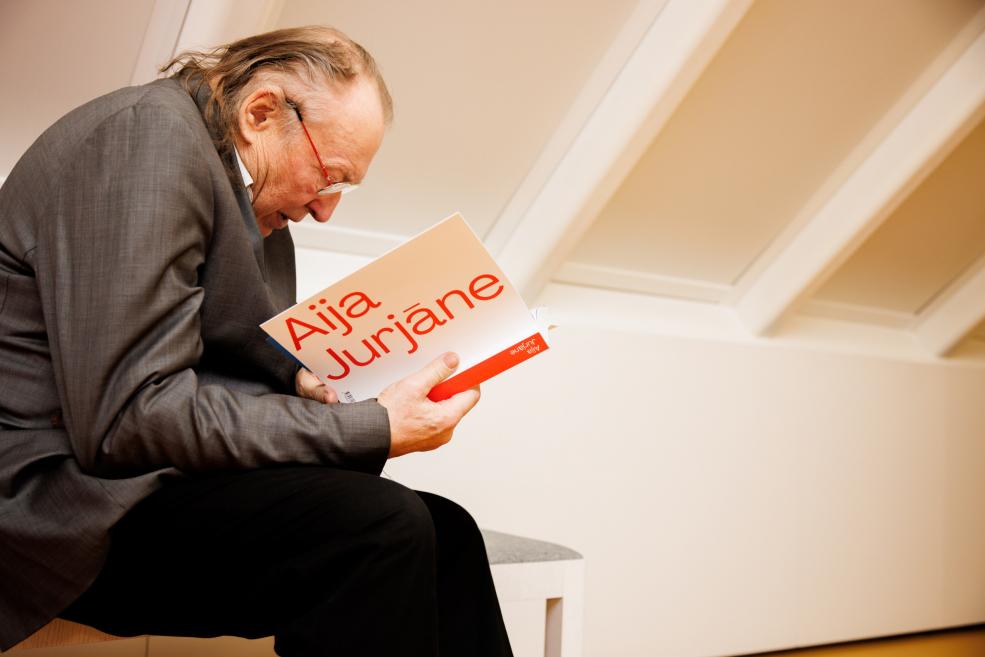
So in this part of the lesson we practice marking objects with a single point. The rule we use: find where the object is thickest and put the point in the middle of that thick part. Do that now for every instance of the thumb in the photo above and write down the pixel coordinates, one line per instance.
(436, 371)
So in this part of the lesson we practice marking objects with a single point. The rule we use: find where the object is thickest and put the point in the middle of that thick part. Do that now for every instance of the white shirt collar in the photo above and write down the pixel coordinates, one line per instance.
(247, 178)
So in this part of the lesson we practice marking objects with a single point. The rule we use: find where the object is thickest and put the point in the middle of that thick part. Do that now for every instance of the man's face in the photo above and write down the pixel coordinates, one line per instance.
(288, 176)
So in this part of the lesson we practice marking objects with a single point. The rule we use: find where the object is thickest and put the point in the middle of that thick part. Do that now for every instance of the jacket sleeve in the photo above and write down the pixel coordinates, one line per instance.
(119, 249)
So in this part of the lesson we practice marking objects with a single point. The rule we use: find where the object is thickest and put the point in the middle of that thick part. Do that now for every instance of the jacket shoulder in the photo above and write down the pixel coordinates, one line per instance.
(162, 115)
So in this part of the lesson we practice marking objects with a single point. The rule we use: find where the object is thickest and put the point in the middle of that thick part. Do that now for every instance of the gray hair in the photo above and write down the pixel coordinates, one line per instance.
(310, 51)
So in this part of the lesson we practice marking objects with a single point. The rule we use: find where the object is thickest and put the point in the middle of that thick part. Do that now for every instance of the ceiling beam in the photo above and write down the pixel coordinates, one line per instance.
(166, 20)
(914, 147)
(179, 25)
(680, 42)
(942, 325)
(210, 23)
(592, 92)
(614, 278)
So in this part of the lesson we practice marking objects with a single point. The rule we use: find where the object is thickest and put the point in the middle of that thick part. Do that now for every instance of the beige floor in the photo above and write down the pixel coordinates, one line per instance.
(967, 642)
(161, 647)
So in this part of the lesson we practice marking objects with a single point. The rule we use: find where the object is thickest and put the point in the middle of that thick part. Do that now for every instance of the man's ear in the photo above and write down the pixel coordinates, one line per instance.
(259, 112)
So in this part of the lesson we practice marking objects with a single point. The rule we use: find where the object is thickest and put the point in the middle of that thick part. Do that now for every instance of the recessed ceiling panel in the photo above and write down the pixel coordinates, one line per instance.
(791, 93)
(934, 235)
(56, 55)
(478, 89)
(979, 332)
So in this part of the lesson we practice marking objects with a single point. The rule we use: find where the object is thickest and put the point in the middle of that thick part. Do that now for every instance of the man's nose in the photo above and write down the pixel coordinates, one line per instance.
(323, 207)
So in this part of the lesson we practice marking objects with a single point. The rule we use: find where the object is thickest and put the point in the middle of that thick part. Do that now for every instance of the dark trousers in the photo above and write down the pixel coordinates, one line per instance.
(330, 562)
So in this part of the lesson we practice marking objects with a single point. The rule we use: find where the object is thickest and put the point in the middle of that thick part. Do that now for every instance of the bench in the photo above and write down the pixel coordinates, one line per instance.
(523, 568)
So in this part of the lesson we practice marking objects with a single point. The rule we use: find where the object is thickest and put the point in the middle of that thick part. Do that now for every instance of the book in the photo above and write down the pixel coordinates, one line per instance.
(439, 291)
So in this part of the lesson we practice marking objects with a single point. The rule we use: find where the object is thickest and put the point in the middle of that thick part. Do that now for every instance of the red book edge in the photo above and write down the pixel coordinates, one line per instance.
(490, 367)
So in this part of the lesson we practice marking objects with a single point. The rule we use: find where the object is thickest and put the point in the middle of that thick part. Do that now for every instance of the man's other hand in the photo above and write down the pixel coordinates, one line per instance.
(310, 386)
(418, 424)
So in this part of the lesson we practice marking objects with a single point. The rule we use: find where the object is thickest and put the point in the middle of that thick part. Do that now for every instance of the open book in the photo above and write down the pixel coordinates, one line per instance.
(439, 291)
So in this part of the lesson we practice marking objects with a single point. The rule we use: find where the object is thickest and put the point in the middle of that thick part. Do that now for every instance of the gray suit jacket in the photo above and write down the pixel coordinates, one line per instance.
(132, 281)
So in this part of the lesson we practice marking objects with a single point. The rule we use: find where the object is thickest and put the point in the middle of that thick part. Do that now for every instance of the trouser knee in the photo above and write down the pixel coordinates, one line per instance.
(407, 524)
(455, 527)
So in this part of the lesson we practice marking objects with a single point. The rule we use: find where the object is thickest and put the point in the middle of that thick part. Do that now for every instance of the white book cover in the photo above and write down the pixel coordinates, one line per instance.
(439, 291)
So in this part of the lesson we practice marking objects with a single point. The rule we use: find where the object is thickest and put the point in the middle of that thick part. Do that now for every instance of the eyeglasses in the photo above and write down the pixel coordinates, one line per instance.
(333, 187)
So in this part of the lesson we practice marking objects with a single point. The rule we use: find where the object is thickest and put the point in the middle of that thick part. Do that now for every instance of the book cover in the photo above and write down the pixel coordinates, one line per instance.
(439, 291)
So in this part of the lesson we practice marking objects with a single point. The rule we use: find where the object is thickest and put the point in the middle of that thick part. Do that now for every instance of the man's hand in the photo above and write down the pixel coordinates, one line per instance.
(310, 386)
(418, 424)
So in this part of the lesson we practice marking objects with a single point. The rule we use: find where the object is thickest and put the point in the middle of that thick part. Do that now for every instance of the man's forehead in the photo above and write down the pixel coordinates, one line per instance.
(353, 128)
(357, 93)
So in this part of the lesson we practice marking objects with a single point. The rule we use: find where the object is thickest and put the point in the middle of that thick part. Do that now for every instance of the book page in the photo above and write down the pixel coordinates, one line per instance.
(440, 291)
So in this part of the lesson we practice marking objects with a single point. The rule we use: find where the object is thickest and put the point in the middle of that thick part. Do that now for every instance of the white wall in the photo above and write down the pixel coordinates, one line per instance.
(729, 497)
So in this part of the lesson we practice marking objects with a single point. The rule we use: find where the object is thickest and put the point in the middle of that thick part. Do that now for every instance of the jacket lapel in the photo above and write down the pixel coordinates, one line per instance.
(202, 96)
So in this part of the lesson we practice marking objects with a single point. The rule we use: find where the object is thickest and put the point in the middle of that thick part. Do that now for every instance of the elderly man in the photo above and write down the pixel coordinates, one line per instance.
(163, 469)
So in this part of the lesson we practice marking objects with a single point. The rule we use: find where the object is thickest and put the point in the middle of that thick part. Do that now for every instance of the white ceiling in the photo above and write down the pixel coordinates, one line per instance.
(56, 55)
(929, 241)
(478, 89)
(770, 116)
(787, 98)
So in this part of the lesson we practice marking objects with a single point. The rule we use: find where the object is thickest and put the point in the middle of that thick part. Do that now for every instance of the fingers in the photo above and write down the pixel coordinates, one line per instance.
(418, 424)
(310, 387)
(435, 372)
(307, 383)
(461, 403)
